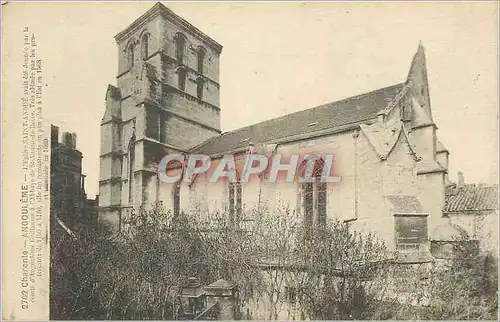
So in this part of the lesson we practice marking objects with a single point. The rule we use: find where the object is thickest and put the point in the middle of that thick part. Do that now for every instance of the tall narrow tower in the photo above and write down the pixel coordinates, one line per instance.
(166, 101)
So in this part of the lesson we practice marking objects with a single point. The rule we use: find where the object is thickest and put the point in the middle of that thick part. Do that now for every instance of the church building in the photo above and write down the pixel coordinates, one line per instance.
(393, 167)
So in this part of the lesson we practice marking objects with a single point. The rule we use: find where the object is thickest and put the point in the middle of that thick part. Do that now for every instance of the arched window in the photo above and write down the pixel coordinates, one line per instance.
(314, 194)
(199, 88)
(130, 55)
(235, 206)
(180, 44)
(201, 59)
(181, 74)
(145, 46)
(177, 198)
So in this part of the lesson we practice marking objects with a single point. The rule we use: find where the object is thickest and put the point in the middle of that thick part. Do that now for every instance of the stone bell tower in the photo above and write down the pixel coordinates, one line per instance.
(166, 101)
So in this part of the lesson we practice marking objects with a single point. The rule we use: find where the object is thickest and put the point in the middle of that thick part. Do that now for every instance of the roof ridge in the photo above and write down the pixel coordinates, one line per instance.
(335, 115)
(317, 106)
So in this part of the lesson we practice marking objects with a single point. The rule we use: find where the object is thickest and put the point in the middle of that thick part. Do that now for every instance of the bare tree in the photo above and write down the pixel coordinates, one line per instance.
(322, 272)
(343, 273)
(274, 236)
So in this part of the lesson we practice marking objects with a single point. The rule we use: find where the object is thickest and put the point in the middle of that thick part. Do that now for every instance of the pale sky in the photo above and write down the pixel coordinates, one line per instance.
(279, 58)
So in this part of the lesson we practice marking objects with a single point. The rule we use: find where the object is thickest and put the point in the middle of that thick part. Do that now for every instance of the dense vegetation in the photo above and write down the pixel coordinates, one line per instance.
(330, 272)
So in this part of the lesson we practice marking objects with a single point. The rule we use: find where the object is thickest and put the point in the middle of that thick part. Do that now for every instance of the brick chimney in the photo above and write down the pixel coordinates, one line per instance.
(54, 135)
(67, 139)
(73, 140)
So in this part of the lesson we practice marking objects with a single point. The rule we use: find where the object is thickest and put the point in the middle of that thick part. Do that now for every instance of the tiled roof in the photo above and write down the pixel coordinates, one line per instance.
(350, 111)
(471, 197)
(405, 204)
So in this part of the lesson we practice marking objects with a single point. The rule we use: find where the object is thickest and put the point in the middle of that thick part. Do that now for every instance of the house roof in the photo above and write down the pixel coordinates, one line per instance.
(332, 116)
(221, 284)
(449, 231)
(405, 204)
(470, 198)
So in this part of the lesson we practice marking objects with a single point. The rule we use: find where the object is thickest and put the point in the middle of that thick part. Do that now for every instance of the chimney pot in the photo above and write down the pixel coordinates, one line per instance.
(54, 131)
(73, 140)
(461, 180)
(67, 139)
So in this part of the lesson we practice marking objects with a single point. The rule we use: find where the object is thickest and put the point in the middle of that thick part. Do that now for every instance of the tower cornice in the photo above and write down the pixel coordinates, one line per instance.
(160, 10)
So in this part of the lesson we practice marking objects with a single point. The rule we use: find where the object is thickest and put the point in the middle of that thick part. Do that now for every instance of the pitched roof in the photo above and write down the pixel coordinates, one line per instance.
(405, 204)
(350, 111)
(448, 231)
(440, 146)
(221, 284)
(471, 197)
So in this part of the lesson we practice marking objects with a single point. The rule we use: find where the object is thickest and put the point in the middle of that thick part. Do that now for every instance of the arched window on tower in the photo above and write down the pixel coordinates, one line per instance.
(181, 76)
(199, 88)
(313, 194)
(201, 59)
(180, 44)
(145, 46)
(130, 54)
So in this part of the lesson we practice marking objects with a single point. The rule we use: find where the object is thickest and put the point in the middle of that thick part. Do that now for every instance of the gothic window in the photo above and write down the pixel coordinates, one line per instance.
(201, 59)
(321, 201)
(235, 204)
(314, 196)
(145, 46)
(177, 198)
(199, 88)
(130, 55)
(156, 125)
(307, 195)
(181, 74)
(180, 44)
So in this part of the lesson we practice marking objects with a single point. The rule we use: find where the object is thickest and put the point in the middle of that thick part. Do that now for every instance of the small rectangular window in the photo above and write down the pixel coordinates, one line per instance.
(411, 231)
